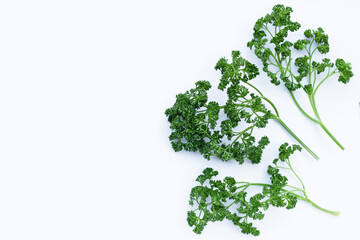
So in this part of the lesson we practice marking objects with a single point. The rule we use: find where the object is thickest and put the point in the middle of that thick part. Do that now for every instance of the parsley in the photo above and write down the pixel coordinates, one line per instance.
(216, 200)
(194, 119)
(270, 45)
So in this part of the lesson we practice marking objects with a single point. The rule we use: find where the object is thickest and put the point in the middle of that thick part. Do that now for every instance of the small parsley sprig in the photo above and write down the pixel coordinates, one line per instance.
(276, 53)
(216, 200)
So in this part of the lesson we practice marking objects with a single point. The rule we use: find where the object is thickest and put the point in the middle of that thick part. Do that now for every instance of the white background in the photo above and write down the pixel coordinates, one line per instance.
(84, 152)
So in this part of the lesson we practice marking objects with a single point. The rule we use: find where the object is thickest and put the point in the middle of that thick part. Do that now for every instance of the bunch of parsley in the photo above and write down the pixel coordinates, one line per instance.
(196, 125)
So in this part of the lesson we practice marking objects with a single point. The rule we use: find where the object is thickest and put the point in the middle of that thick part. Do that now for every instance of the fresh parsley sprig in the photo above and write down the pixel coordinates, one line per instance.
(238, 73)
(216, 200)
(193, 120)
(271, 47)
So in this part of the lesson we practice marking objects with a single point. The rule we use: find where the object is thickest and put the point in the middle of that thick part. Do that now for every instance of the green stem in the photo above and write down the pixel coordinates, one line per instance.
(335, 213)
(306, 199)
(313, 105)
(296, 137)
(272, 104)
(297, 176)
(328, 75)
(302, 110)
(331, 136)
(265, 98)
(310, 57)
(253, 88)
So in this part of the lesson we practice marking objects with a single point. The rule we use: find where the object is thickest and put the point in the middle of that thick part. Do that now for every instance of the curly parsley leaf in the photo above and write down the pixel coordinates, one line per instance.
(193, 121)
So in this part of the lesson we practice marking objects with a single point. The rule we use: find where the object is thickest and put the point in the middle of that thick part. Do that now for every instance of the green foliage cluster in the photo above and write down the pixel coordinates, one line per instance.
(276, 53)
(193, 120)
(196, 125)
(217, 200)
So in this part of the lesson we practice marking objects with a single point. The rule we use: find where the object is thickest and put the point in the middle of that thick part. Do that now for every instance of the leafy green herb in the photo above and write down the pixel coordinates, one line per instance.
(270, 45)
(194, 119)
(216, 200)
